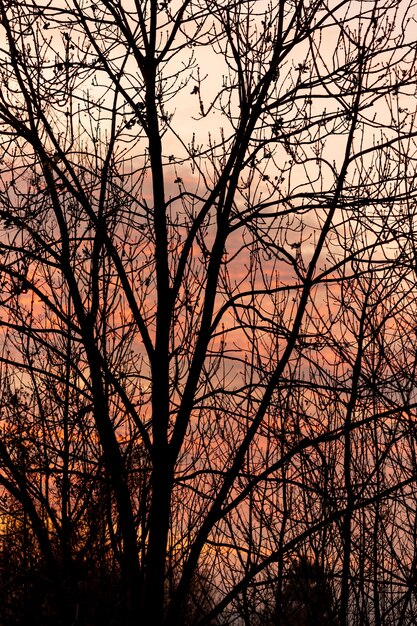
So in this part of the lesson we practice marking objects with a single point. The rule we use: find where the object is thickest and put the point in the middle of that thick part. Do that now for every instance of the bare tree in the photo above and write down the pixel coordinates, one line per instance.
(205, 208)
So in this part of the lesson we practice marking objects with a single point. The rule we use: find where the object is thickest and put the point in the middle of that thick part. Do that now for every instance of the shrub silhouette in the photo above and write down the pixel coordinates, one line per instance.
(307, 597)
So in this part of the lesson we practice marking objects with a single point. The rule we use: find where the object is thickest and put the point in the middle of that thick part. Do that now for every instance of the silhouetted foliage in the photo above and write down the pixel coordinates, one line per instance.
(307, 598)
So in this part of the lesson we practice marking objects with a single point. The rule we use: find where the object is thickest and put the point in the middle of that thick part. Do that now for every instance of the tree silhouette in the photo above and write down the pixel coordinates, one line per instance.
(307, 597)
(207, 238)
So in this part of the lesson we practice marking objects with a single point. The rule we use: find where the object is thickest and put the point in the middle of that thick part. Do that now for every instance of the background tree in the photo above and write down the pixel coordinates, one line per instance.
(307, 597)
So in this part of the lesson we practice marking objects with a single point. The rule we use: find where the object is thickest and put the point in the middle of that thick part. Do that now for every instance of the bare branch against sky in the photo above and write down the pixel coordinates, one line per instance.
(208, 312)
